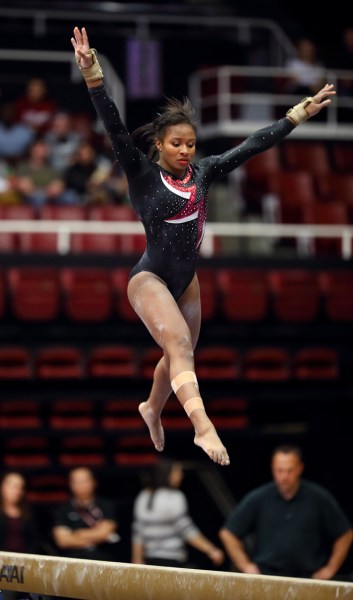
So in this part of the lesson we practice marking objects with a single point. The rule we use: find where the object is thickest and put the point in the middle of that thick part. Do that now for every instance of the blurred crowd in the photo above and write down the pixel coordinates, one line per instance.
(50, 155)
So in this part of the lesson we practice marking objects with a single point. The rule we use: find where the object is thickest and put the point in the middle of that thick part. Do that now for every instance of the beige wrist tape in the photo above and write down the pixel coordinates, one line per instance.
(298, 114)
(183, 377)
(93, 73)
(193, 404)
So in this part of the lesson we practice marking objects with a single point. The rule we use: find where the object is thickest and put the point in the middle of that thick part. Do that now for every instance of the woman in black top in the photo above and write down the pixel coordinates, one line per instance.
(169, 192)
(18, 528)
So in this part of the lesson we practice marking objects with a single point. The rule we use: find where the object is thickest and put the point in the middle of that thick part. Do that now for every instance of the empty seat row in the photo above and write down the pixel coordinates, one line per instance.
(317, 157)
(65, 415)
(212, 362)
(88, 449)
(45, 434)
(289, 295)
(108, 212)
(98, 294)
(308, 190)
(80, 243)
(43, 294)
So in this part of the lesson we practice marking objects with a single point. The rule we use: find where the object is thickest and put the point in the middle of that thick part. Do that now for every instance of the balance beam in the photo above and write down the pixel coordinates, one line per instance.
(100, 580)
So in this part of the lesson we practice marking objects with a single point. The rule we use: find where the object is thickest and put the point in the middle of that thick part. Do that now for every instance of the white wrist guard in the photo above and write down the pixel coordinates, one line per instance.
(93, 73)
(298, 114)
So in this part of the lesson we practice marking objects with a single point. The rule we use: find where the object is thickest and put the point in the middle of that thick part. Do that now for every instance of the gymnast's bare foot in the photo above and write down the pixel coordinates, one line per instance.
(154, 425)
(210, 443)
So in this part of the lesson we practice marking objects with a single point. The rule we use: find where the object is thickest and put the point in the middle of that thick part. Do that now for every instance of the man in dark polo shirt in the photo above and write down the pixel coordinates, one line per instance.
(86, 526)
(297, 526)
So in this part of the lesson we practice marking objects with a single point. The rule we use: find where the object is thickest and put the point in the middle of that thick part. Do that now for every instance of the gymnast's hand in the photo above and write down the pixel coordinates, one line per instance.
(81, 45)
(320, 100)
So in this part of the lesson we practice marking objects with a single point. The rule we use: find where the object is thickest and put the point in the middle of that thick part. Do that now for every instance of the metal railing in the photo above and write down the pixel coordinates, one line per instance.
(64, 230)
(150, 22)
(212, 94)
(116, 86)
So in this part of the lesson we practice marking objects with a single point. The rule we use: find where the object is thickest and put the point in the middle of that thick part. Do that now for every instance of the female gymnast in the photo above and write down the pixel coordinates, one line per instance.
(168, 190)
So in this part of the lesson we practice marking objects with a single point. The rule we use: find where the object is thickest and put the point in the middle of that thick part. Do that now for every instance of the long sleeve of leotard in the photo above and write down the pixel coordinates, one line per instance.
(257, 142)
(134, 162)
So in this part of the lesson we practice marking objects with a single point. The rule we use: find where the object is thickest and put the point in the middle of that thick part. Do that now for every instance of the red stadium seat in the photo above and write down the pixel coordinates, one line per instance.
(122, 415)
(266, 364)
(295, 189)
(337, 291)
(138, 459)
(18, 212)
(264, 164)
(339, 188)
(53, 212)
(342, 155)
(311, 156)
(20, 415)
(112, 361)
(99, 243)
(38, 242)
(81, 450)
(260, 171)
(34, 293)
(148, 361)
(112, 212)
(15, 363)
(21, 452)
(217, 362)
(3, 293)
(244, 294)
(8, 242)
(71, 414)
(326, 213)
(208, 293)
(135, 451)
(296, 295)
(316, 363)
(123, 308)
(59, 362)
(228, 413)
(88, 294)
(133, 243)
(47, 488)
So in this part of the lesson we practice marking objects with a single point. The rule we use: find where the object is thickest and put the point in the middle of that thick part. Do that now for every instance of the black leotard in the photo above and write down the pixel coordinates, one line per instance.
(173, 210)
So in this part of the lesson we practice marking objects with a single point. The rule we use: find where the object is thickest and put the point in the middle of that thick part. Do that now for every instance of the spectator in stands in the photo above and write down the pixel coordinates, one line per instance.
(85, 127)
(15, 138)
(9, 194)
(35, 108)
(77, 176)
(63, 140)
(306, 70)
(19, 531)
(162, 527)
(298, 528)
(108, 185)
(168, 189)
(38, 182)
(86, 526)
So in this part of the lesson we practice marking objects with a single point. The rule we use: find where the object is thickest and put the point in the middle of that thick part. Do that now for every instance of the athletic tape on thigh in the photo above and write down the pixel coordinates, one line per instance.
(193, 404)
(183, 377)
